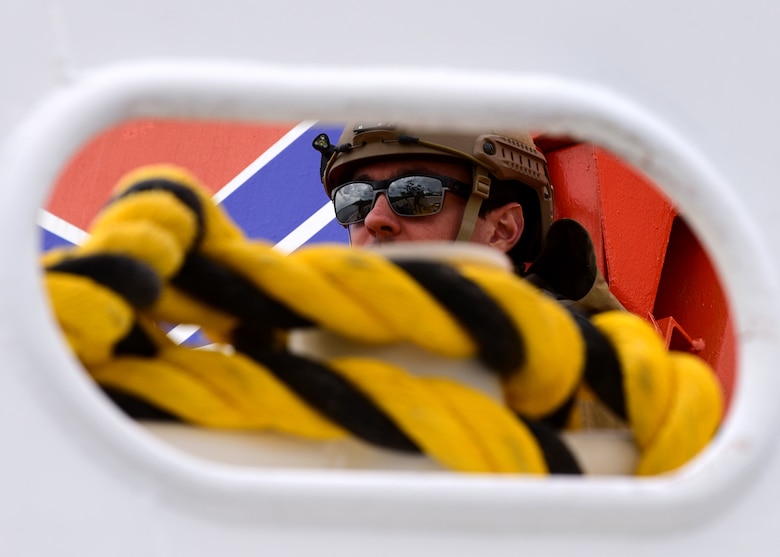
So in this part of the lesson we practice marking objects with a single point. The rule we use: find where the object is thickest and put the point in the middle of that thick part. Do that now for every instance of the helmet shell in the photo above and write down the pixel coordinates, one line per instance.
(505, 156)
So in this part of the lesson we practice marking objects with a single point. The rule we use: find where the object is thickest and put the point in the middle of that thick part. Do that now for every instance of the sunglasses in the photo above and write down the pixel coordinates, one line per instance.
(416, 195)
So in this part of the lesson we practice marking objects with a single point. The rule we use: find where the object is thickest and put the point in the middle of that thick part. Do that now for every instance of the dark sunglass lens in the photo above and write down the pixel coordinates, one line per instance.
(416, 195)
(352, 202)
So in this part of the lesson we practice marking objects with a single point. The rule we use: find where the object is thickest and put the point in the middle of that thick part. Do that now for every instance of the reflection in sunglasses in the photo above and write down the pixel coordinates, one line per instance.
(408, 196)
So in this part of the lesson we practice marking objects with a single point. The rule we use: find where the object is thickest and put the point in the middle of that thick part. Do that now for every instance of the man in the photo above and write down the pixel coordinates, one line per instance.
(397, 184)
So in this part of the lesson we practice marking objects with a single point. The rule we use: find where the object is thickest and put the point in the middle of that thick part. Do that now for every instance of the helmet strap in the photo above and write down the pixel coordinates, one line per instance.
(479, 192)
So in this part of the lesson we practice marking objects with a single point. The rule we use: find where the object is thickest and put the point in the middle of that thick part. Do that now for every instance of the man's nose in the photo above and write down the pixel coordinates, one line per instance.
(381, 221)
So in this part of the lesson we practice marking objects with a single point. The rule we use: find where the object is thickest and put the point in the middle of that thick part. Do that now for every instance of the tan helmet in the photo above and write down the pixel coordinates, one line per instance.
(501, 156)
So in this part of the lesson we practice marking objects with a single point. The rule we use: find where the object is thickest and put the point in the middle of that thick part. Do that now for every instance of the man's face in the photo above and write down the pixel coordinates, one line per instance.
(383, 225)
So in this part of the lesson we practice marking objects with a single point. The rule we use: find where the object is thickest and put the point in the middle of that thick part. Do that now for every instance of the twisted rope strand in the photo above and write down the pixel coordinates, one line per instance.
(198, 268)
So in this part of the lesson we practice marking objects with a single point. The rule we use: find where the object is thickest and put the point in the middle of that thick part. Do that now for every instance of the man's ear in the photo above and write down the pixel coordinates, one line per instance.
(505, 226)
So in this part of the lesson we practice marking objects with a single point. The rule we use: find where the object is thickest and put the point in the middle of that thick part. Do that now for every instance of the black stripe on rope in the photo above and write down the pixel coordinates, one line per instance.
(560, 416)
(136, 343)
(134, 280)
(183, 193)
(603, 371)
(558, 456)
(326, 391)
(137, 408)
(500, 346)
(222, 288)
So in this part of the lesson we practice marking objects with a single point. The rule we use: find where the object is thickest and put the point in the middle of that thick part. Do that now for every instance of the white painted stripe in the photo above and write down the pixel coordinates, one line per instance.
(284, 142)
(60, 227)
(180, 333)
(307, 229)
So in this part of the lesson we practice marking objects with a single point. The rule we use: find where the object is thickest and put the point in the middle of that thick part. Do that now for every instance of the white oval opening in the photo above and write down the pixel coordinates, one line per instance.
(43, 145)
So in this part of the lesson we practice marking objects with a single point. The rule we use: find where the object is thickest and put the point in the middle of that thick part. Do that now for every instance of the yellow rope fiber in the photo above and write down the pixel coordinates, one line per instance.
(673, 400)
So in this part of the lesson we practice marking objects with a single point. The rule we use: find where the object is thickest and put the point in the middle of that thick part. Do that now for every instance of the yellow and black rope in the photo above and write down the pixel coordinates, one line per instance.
(162, 252)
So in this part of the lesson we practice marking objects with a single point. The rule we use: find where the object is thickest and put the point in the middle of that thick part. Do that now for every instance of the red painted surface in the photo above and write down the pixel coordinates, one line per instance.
(655, 265)
(636, 222)
(691, 292)
(577, 190)
(214, 151)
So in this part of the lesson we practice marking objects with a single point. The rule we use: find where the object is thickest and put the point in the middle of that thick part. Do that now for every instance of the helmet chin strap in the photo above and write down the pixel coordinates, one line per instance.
(479, 192)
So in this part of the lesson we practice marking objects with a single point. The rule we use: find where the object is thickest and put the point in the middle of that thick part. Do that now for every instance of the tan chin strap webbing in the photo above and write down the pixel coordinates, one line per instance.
(479, 192)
